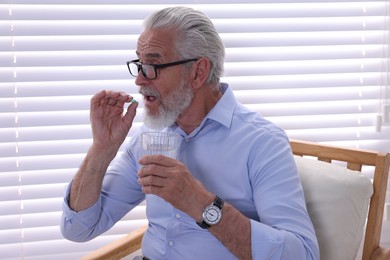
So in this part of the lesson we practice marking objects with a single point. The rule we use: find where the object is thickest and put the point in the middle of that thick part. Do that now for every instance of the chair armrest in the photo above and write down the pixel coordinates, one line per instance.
(381, 253)
(120, 247)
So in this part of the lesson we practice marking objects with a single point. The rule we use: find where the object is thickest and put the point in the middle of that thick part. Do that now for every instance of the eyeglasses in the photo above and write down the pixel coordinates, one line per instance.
(149, 71)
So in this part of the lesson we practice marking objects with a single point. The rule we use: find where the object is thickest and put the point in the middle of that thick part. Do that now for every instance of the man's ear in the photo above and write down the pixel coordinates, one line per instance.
(201, 72)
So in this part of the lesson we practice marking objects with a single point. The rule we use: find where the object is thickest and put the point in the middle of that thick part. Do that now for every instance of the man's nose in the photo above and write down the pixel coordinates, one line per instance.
(141, 80)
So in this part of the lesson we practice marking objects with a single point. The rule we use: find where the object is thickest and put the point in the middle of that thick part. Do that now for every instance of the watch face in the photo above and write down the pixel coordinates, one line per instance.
(212, 215)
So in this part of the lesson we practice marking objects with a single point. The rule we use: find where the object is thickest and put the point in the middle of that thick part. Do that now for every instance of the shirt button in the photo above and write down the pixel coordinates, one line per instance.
(170, 243)
(177, 216)
(187, 139)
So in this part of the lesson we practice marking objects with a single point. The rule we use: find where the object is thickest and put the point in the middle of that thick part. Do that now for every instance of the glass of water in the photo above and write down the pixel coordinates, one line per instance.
(165, 143)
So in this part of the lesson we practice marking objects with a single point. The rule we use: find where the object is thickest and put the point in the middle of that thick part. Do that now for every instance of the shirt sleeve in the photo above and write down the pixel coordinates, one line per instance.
(284, 229)
(121, 192)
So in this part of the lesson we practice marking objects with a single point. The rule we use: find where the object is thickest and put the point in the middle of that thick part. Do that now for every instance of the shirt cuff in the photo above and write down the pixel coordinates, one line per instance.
(86, 218)
(267, 243)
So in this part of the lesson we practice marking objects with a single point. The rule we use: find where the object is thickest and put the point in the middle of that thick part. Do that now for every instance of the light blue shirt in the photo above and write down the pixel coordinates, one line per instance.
(239, 156)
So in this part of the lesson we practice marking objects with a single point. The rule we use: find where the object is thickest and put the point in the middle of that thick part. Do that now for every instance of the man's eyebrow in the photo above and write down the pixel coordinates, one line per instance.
(150, 55)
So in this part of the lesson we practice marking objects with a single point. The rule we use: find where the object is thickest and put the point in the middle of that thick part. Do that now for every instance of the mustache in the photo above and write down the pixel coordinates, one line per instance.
(149, 91)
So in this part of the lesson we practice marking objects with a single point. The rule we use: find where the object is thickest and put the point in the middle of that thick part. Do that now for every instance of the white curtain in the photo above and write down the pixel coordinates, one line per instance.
(318, 69)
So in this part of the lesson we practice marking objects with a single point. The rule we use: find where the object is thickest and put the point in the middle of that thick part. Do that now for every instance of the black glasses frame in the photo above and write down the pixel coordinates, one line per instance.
(155, 66)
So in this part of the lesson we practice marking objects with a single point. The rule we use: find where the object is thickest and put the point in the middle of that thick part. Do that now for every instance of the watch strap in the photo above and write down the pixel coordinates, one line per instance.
(218, 202)
(203, 224)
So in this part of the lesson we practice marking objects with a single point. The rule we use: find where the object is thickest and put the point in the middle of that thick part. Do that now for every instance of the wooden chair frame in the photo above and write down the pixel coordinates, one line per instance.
(355, 159)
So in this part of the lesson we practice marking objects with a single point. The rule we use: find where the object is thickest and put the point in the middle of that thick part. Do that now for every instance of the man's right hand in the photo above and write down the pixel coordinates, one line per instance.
(109, 123)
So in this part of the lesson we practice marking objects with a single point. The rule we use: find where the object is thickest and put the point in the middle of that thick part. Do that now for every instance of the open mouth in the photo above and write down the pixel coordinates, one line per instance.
(150, 98)
(150, 94)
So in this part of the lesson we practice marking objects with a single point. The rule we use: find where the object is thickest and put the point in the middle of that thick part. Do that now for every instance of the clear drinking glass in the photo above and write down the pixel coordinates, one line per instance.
(165, 143)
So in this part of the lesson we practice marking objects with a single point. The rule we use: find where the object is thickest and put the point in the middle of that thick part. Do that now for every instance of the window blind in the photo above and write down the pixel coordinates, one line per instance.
(319, 69)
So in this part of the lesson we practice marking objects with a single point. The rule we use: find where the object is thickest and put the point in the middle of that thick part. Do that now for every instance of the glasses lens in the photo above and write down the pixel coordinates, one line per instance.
(134, 68)
(149, 71)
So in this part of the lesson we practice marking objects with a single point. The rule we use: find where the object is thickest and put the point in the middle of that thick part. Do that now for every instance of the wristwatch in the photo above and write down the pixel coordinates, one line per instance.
(212, 214)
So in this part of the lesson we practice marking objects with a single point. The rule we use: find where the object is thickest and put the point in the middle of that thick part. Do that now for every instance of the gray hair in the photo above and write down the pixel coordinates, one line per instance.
(197, 36)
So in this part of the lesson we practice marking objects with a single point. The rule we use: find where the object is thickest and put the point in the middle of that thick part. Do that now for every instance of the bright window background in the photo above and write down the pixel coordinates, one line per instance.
(319, 70)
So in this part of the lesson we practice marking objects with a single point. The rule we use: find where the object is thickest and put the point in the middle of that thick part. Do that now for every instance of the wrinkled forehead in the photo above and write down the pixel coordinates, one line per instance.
(156, 45)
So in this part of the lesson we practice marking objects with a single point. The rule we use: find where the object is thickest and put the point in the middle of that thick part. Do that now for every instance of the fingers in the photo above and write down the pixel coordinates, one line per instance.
(152, 179)
(96, 99)
(159, 160)
(108, 122)
(158, 166)
(157, 180)
(160, 171)
(152, 176)
(157, 169)
(110, 98)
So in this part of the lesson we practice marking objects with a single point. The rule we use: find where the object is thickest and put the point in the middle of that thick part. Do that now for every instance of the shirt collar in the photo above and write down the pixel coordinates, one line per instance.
(223, 111)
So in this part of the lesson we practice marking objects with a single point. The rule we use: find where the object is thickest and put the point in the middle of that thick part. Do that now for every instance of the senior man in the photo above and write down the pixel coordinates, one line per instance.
(233, 192)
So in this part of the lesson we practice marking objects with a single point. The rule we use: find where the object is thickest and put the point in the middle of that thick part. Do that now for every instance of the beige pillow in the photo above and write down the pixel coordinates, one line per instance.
(337, 200)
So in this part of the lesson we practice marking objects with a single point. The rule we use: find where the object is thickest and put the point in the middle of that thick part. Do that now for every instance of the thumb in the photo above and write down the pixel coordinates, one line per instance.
(130, 114)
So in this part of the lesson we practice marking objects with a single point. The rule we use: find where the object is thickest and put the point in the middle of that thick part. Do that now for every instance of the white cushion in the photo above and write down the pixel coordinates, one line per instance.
(337, 201)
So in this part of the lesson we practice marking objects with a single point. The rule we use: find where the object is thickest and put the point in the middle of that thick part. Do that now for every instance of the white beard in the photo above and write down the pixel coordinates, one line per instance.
(170, 108)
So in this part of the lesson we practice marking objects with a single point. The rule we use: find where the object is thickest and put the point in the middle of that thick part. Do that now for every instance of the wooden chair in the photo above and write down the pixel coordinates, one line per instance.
(355, 159)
